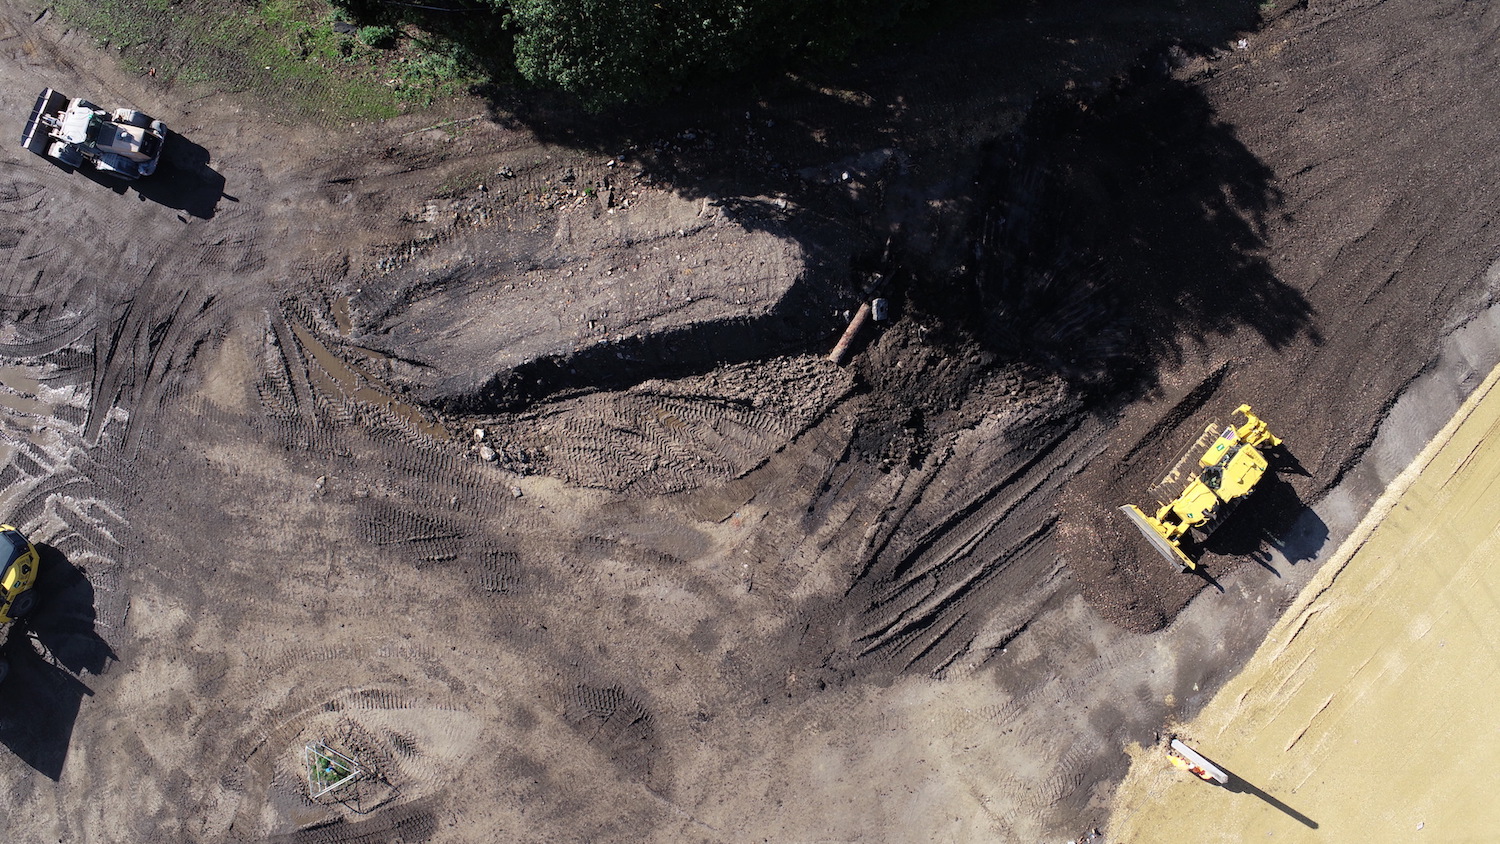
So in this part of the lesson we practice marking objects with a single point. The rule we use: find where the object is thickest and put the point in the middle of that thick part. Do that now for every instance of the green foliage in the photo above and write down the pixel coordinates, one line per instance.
(329, 770)
(287, 51)
(618, 50)
(407, 54)
(382, 37)
(432, 70)
(370, 11)
(609, 50)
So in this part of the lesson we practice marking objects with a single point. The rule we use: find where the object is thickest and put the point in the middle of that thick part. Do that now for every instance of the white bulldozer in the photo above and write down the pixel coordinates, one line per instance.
(124, 143)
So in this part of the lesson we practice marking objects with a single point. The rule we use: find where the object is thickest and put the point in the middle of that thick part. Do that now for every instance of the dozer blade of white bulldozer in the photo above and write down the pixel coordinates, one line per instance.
(35, 136)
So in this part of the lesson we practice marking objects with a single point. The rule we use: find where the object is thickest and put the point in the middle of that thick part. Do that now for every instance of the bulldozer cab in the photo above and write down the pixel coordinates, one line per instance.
(130, 142)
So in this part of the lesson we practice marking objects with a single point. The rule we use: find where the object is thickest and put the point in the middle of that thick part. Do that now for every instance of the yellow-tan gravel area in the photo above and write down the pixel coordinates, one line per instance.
(1372, 711)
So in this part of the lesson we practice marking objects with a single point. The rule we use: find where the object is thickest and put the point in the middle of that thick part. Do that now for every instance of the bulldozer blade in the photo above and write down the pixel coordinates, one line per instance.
(35, 136)
(1163, 546)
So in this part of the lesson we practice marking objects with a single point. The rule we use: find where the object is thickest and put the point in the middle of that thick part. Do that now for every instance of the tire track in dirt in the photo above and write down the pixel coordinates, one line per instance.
(663, 437)
(783, 565)
(128, 341)
(404, 763)
(409, 824)
(39, 290)
(620, 724)
(283, 391)
(53, 488)
(312, 388)
(146, 320)
(967, 563)
(614, 625)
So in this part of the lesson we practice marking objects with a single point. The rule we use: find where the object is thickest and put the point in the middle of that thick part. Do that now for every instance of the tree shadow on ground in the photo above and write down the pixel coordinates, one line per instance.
(41, 696)
(183, 180)
(1084, 233)
(1121, 227)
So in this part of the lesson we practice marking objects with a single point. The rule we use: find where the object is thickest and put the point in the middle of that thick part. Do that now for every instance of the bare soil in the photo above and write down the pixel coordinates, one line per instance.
(496, 447)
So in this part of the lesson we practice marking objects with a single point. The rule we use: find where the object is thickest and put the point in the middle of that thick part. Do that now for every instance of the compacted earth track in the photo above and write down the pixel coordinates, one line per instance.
(500, 451)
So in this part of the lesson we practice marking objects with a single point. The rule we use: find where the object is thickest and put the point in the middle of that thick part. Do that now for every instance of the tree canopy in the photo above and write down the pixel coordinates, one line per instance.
(614, 51)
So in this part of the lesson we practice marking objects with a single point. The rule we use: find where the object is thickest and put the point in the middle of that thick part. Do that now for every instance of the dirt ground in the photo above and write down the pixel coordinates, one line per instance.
(495, 446)
(1382, 665)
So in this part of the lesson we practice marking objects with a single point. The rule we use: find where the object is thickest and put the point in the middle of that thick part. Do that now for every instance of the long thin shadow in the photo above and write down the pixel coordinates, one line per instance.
(1286, 462)
(1264, 561)
(1239, 785)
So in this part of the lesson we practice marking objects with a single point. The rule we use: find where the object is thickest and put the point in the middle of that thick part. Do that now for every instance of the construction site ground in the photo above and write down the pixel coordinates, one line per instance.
(1365, 714)
(494, 444)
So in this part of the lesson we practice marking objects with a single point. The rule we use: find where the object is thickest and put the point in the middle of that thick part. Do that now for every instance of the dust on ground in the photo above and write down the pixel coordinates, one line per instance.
(496, 447)
(1373, 669)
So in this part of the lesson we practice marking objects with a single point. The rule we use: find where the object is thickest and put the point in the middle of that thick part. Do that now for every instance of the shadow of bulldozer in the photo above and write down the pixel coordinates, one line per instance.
(183, 180)
(48, 653)
(1275, 519)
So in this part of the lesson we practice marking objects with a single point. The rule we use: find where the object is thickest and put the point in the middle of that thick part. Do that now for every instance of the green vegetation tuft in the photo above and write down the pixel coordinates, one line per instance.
(287, 52)
(380, 37)
(329, 771)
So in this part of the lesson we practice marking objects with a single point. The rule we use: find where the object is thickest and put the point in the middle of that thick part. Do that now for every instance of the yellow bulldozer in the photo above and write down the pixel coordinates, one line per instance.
(1216, 473)
(19, 562)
